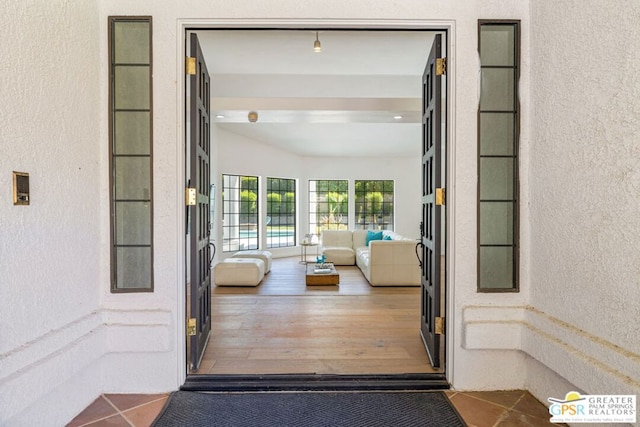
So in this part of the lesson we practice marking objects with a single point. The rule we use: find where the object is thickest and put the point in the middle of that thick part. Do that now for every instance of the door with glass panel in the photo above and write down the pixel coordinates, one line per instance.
(432, 201)
(198, 214)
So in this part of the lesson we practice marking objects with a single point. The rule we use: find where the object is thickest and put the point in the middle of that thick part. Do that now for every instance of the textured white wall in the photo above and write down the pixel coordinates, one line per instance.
(580, 189)
(51, 258)
(584, 178)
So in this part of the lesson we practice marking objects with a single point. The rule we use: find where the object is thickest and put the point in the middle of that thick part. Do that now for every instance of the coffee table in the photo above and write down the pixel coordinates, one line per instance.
(331, 278)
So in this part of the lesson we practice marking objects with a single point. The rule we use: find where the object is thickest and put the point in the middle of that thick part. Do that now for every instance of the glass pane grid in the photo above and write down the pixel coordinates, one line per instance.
(240, 225)
(374, 204)
(281, 213)
(130, 147)
(328, 205)
(498, 157)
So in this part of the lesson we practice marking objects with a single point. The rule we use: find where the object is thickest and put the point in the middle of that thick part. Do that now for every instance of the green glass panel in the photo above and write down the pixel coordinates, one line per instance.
(132, 132)
(132, 85)
(132, 178)
(131, 42)
(496, 178)
(133, 223)
(497, 45)
(497, 89)
(496, 268)
(134, 268)
(496, 223)
(496, 134)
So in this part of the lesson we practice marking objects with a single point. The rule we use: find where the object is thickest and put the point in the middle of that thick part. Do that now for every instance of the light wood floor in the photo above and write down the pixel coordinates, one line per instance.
(283, 326)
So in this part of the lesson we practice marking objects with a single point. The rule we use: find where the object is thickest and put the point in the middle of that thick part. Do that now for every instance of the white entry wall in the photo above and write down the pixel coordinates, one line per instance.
(53, 265)
(584, 183)
(63, 330)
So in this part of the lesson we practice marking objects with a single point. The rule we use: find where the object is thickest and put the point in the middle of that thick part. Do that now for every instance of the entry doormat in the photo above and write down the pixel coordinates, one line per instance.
(309, 409)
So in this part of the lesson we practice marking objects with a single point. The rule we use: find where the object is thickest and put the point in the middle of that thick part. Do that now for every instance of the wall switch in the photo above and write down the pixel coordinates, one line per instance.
(20, 188)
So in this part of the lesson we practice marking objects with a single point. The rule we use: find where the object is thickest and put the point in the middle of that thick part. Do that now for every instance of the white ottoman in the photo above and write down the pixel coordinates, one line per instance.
(265, 256)
(238, 272)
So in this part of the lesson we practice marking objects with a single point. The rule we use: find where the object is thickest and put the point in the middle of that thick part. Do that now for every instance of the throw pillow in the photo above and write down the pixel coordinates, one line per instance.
(373, 235)
(387, 237)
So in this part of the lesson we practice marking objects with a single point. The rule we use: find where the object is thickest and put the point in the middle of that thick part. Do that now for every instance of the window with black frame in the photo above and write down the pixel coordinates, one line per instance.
(130, 149)
(281, 212)
(328, 205)
(498, 126)
(240, 224)
(374, 204)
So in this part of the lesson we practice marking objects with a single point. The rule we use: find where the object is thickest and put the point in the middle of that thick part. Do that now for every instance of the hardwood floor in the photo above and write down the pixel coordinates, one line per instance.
(283, 326)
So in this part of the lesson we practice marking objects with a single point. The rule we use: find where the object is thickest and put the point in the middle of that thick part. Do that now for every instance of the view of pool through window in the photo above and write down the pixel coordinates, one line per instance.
(241, 207)
(245, 229)
(240, 213)
(281, 212)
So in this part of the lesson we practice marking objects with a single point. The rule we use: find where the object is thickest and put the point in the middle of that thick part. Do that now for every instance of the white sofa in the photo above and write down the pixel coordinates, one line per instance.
(384, 262)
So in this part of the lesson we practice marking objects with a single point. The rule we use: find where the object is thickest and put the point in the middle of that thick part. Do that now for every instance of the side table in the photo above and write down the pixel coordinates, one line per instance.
(303, 251)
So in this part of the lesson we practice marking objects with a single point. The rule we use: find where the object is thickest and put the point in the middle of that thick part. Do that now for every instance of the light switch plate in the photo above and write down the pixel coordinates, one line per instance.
(21, 188)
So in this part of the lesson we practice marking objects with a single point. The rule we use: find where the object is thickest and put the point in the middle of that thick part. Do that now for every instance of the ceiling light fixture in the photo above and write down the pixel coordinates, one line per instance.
(398, 117)
(317, 47)
(252, 116)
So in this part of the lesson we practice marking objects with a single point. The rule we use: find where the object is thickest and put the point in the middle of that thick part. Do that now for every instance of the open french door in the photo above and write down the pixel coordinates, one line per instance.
(431, 325)
(198, 228)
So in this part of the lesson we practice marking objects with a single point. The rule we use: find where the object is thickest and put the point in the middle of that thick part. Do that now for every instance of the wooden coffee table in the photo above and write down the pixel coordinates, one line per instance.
(331, 278)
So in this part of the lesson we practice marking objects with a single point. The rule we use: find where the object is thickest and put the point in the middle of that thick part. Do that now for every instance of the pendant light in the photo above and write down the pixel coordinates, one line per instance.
(317, 47)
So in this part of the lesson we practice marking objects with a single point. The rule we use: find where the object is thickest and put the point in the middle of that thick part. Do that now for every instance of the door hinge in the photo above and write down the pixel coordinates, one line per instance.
(191, 327)
(440, 197)
(441, 66)
(191, 65)
(439, 326)
(191, 197)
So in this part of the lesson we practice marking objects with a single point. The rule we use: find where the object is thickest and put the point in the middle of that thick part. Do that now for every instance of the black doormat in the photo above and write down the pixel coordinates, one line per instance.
(309, 409)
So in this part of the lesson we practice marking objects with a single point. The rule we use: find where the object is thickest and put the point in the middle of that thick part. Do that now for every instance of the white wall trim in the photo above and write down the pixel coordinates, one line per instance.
(365, 24)
(15, 362)
(590, 362)
(30, 355)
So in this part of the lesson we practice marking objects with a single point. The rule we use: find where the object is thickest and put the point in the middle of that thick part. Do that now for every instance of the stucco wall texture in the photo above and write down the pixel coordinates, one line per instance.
(584, 170)
(50, 251)
(64, 338)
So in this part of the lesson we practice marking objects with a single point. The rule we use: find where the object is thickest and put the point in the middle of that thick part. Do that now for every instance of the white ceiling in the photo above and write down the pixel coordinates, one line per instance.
(339, 102)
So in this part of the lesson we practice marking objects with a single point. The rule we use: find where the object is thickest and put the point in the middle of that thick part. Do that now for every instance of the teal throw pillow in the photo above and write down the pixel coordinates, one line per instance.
(387, 237)
(373, 235)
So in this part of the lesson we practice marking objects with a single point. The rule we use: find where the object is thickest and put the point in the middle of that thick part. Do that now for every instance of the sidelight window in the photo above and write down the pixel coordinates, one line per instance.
(498, 126)
(130, 151)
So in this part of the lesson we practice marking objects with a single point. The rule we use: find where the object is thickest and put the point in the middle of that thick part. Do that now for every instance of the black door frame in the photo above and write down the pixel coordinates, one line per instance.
(203, 382)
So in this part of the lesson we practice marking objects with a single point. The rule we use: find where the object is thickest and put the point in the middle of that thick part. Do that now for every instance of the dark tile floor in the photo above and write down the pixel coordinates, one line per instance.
(513, 408)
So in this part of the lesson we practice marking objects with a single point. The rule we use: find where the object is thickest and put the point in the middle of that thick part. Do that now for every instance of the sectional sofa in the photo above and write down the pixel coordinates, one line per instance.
(385, 258)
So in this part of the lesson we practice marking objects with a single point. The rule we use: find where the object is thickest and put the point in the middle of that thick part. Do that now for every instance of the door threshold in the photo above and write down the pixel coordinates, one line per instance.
(314, 382)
